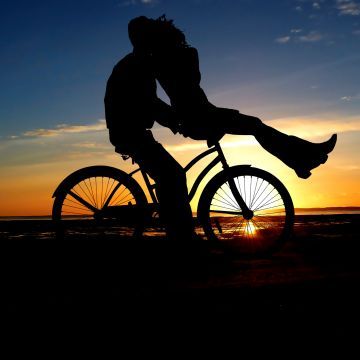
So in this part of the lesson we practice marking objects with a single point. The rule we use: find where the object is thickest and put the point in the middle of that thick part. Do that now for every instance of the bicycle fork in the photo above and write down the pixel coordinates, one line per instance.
(246, 212)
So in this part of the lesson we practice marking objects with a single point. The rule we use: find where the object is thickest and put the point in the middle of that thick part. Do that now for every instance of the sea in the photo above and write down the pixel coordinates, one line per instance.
(328, 222)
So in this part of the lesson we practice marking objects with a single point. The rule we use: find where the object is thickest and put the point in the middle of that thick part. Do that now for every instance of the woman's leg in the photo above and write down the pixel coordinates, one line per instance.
(299, 154)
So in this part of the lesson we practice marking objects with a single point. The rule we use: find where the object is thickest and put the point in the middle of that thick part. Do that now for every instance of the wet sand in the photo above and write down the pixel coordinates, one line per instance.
(308, 290)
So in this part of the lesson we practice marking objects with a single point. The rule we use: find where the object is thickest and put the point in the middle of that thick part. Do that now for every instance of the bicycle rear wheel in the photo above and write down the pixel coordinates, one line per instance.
(222, 219)
(99, 200)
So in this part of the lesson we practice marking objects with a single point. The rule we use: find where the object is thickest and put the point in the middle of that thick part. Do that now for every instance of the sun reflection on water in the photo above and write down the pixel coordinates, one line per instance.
(249, 228)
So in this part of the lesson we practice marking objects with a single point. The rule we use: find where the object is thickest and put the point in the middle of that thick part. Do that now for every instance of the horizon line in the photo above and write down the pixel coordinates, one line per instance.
(349, 208)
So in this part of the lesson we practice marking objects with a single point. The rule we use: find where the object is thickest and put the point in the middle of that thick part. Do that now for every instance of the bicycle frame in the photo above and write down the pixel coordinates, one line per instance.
(220, 158)
(221, 209)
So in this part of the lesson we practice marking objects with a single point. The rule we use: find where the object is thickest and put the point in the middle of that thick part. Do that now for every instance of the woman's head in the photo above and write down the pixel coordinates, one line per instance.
(167, 35)
(149, 35)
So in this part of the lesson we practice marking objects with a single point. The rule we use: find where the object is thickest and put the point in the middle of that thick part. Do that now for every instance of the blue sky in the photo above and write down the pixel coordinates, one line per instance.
(56, 55)
(294, 63)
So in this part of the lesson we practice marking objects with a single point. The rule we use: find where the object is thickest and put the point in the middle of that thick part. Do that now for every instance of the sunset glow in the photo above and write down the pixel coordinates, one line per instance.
(292, 64)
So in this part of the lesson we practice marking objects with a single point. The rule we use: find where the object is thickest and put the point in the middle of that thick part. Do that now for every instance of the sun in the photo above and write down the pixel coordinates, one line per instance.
(249, 228)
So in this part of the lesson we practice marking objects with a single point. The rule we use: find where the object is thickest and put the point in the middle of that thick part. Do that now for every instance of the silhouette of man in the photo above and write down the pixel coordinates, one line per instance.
(131, 107)
(176, 67)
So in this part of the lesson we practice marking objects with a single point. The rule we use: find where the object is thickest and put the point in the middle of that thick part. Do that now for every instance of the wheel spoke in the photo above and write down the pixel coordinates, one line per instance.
(82, 201)
(265, 195)
(113, 191)
(98, 194)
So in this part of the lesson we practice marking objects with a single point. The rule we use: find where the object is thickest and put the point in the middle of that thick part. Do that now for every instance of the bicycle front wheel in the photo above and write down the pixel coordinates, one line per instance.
(273, 212)
(97, 200)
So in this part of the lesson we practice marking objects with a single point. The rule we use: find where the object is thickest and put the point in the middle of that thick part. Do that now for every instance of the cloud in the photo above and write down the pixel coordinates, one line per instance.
(351, 98)
(138, 2)
(230, 141)
(186, 146)
(283, 39)
(127, 3)
(309, 127)
(312, 36)
(348, 7)
(91, 145)
(100, 125)
(348, 167)
(346, 98)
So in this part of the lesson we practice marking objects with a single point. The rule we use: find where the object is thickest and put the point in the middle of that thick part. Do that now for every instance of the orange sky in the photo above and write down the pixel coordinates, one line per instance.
(34, 164)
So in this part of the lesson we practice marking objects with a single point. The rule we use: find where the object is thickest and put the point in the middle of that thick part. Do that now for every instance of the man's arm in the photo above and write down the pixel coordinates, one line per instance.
(166, 116)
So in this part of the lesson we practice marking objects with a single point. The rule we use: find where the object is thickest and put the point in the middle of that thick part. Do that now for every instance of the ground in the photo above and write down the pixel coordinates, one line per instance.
(306, 290)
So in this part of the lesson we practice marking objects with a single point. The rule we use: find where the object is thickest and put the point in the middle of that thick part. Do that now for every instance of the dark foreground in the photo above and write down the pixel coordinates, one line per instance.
(306, 292)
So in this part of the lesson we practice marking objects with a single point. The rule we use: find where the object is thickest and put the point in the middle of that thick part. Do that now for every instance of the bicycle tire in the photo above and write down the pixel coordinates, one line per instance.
(90, 201)
(272, 223)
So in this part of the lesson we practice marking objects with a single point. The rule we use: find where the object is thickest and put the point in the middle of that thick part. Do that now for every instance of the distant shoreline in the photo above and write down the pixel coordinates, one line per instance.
(336, 208)
(298, 211)
(328, 210)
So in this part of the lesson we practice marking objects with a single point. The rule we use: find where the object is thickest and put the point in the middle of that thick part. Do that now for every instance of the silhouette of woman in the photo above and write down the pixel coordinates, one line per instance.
(176, 67)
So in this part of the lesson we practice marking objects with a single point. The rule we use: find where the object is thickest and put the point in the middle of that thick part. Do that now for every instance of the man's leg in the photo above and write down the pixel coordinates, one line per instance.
(171, 188)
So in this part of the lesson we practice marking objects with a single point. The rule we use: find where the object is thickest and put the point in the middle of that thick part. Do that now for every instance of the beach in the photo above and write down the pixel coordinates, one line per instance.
(309, 288)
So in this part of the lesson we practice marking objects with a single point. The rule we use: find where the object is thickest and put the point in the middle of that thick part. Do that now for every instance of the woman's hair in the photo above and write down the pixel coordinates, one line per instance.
(167, 34)
(158, 33)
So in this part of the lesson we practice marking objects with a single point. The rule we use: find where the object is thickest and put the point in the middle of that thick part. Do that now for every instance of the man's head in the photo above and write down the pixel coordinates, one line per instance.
(149, 35)
(141, 32)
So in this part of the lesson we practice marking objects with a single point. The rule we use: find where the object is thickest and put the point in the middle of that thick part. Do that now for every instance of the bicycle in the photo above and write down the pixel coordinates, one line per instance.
(246, 208)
